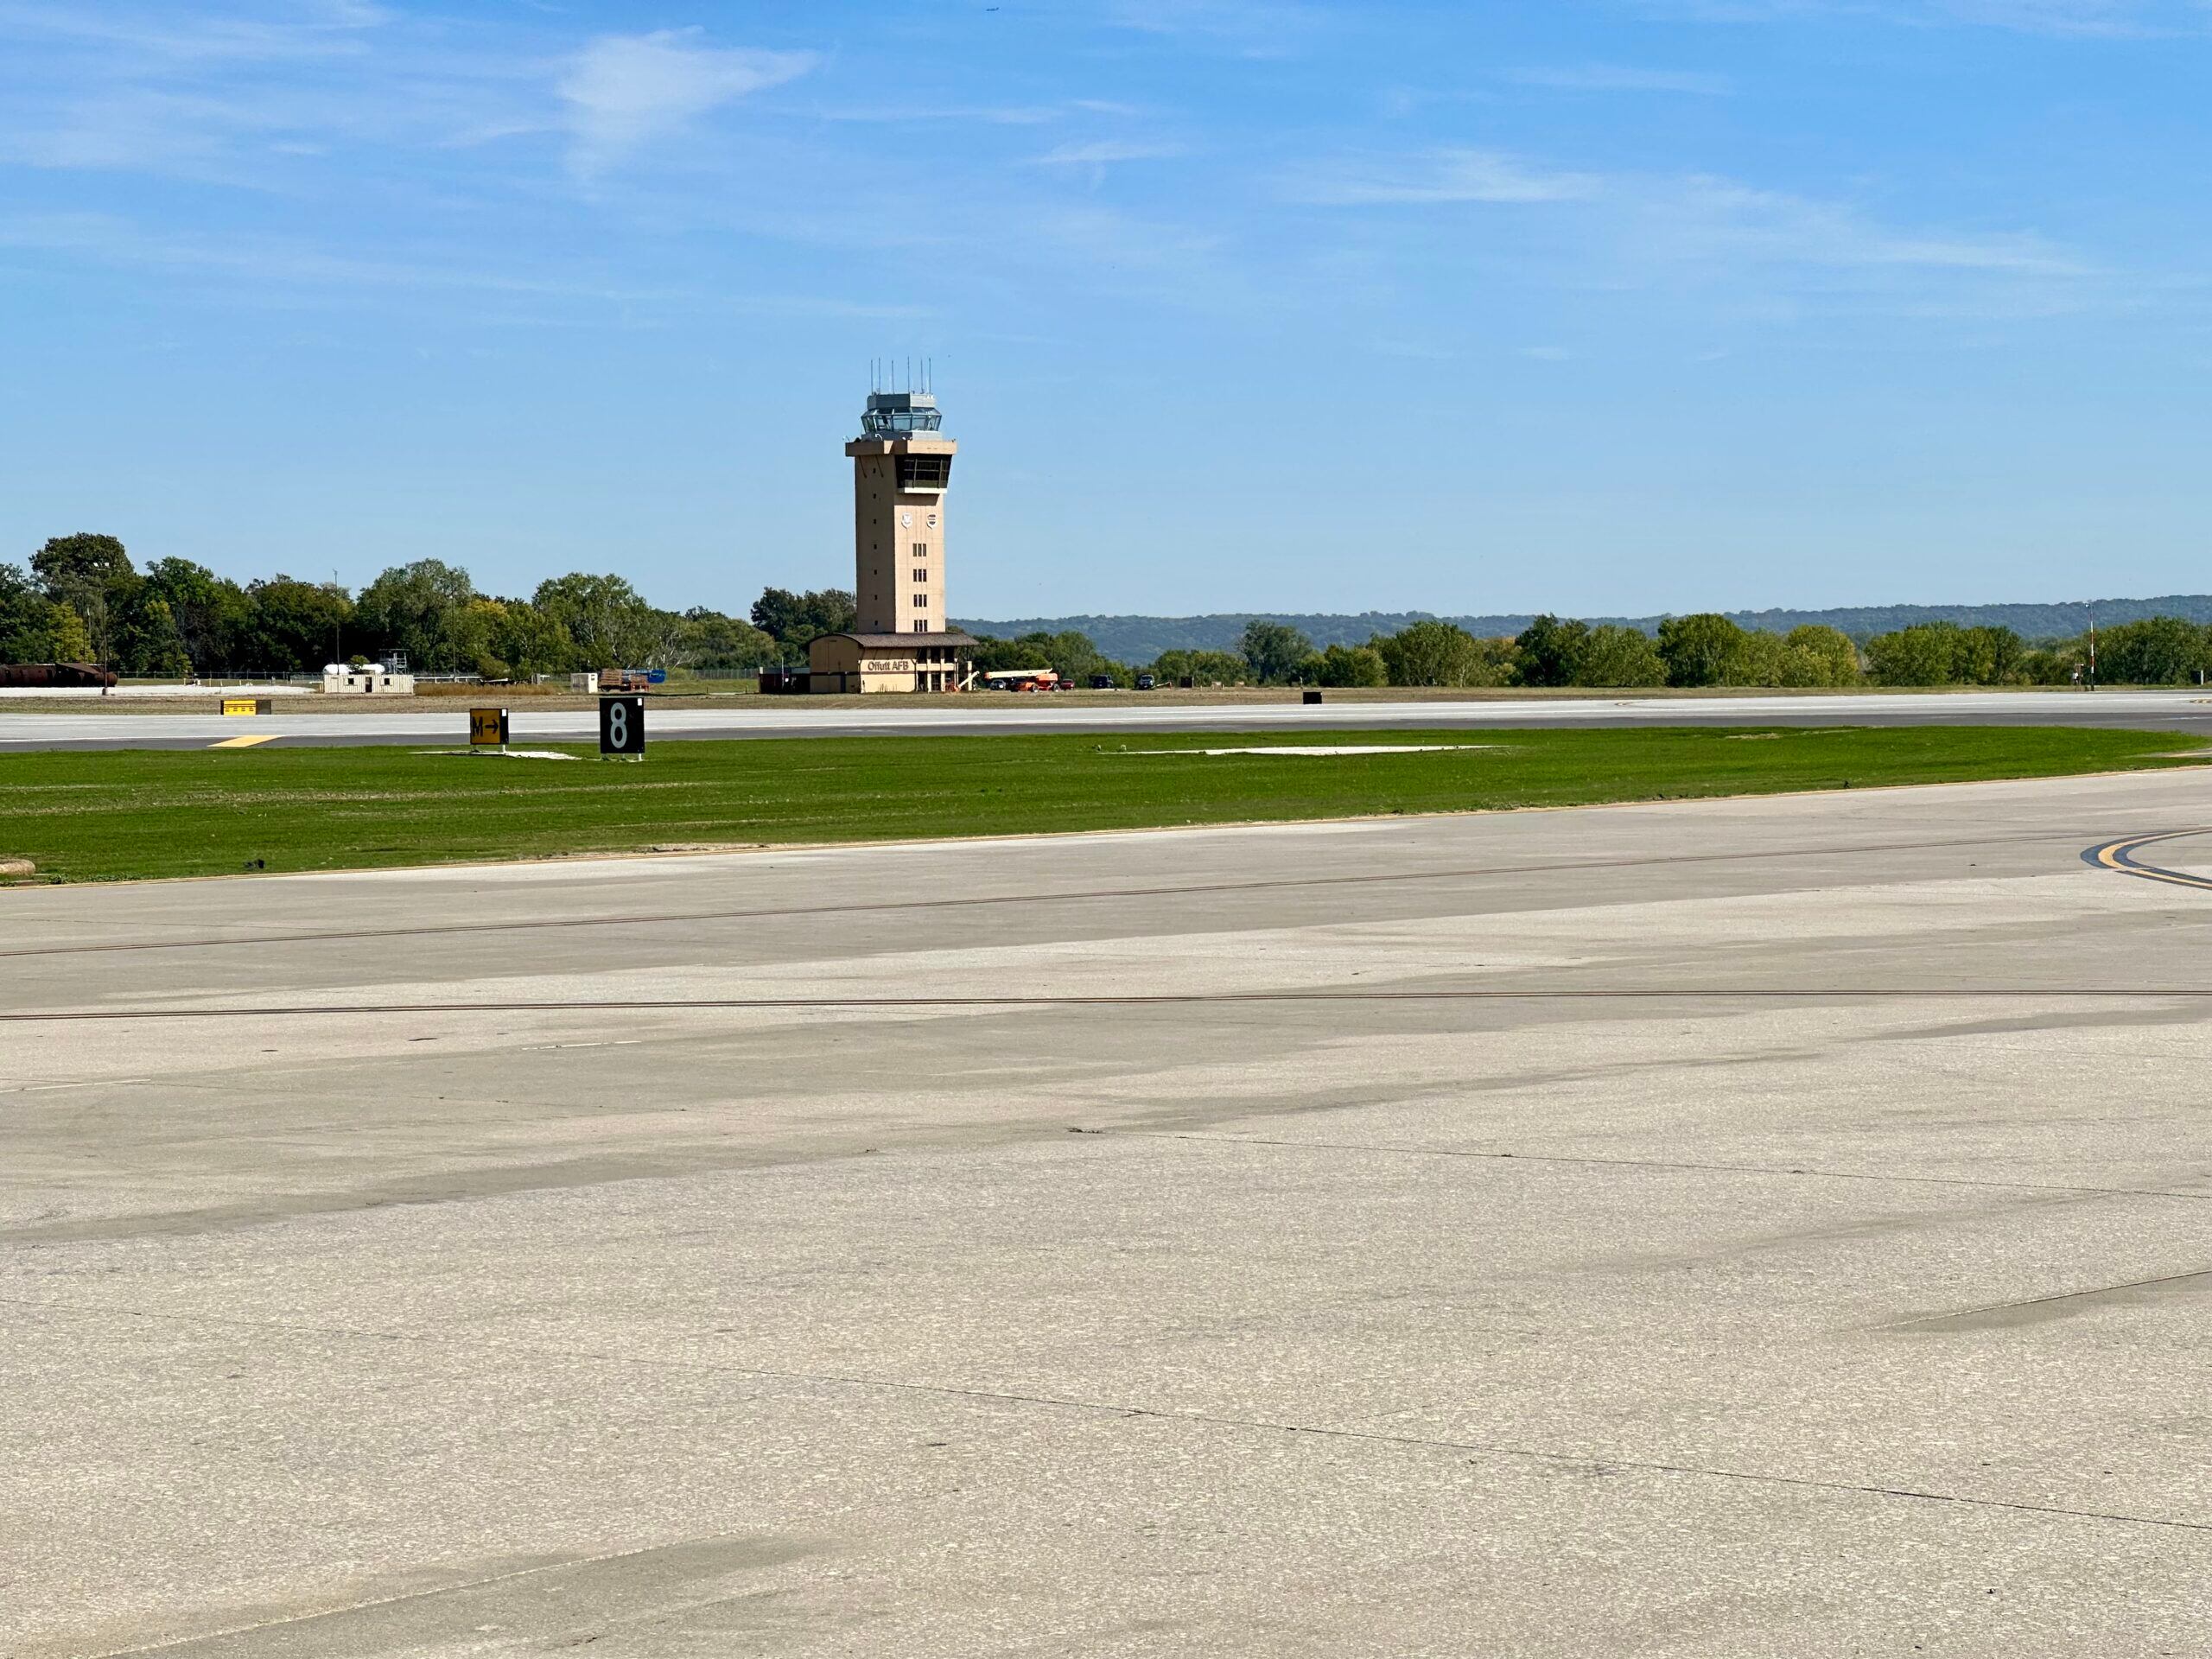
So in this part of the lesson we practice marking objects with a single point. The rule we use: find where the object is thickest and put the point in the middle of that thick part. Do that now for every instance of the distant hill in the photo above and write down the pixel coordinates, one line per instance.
(1141, 639)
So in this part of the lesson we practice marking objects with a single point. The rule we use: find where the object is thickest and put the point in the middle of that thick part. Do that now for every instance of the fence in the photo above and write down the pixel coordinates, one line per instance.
(216, 682)
(742, 675)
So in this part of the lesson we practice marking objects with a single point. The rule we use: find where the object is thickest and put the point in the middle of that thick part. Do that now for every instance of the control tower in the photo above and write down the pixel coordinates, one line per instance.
(902, 465)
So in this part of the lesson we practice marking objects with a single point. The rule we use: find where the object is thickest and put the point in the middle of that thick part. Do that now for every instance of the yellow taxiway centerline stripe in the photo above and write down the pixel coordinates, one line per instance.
(2113, 855)
(244, 742)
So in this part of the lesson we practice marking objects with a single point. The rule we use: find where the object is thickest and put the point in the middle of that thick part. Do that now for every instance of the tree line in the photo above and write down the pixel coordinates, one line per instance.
(83, 600)
(1705, 650)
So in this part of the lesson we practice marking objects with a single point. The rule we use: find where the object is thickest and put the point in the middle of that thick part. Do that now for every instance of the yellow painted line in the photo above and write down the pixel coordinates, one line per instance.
(2119, 855)
(244, 742)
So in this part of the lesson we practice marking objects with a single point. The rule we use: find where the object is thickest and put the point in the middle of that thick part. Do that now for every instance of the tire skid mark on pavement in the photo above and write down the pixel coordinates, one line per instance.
(1365, 879)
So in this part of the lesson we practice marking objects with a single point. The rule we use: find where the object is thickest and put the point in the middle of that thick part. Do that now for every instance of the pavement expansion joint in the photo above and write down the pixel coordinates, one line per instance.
(1135, 999)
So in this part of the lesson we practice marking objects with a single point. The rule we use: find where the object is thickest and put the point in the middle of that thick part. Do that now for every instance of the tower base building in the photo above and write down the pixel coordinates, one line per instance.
(901, 641)
(889, 662)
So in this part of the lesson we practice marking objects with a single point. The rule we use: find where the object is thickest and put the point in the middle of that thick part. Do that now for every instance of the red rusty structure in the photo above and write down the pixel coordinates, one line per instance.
(55, 674)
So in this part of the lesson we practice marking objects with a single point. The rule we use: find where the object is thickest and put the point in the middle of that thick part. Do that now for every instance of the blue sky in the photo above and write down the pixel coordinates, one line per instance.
(1599, 306)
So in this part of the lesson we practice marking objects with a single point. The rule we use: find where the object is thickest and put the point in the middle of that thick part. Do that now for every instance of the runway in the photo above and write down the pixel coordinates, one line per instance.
(1717, 1229)
(750, 718)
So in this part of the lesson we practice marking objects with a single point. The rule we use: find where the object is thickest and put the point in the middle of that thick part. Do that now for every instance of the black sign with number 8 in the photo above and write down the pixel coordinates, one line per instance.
(621, 725)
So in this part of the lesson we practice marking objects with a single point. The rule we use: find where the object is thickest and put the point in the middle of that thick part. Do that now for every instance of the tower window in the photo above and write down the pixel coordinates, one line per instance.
(925, 472)
(921, 601)
(921, 575)
(921, 549)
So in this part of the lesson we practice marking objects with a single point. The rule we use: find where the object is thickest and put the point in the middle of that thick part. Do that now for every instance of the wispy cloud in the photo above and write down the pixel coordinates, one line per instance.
(1622, 78)
(400, 114)
(1105, 152)
(1158, 260)
(1258, 29)
(2108, 18)
(266, 265)
(228, 97)
(314, 29)
(623, 92)
(2085, 19)
(214, 130)
(1705, 218)
(991, 114)
(1437, 177)
(1630, 231)
(266, 262)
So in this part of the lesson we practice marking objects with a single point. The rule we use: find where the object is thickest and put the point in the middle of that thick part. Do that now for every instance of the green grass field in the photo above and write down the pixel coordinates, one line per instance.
(116, 815)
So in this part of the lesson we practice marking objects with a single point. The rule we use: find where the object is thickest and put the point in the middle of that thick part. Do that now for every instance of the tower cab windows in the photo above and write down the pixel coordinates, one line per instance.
(925, 472)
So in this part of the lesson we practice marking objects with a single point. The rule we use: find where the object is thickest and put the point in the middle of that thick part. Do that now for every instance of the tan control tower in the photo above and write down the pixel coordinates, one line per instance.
(902, 465)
